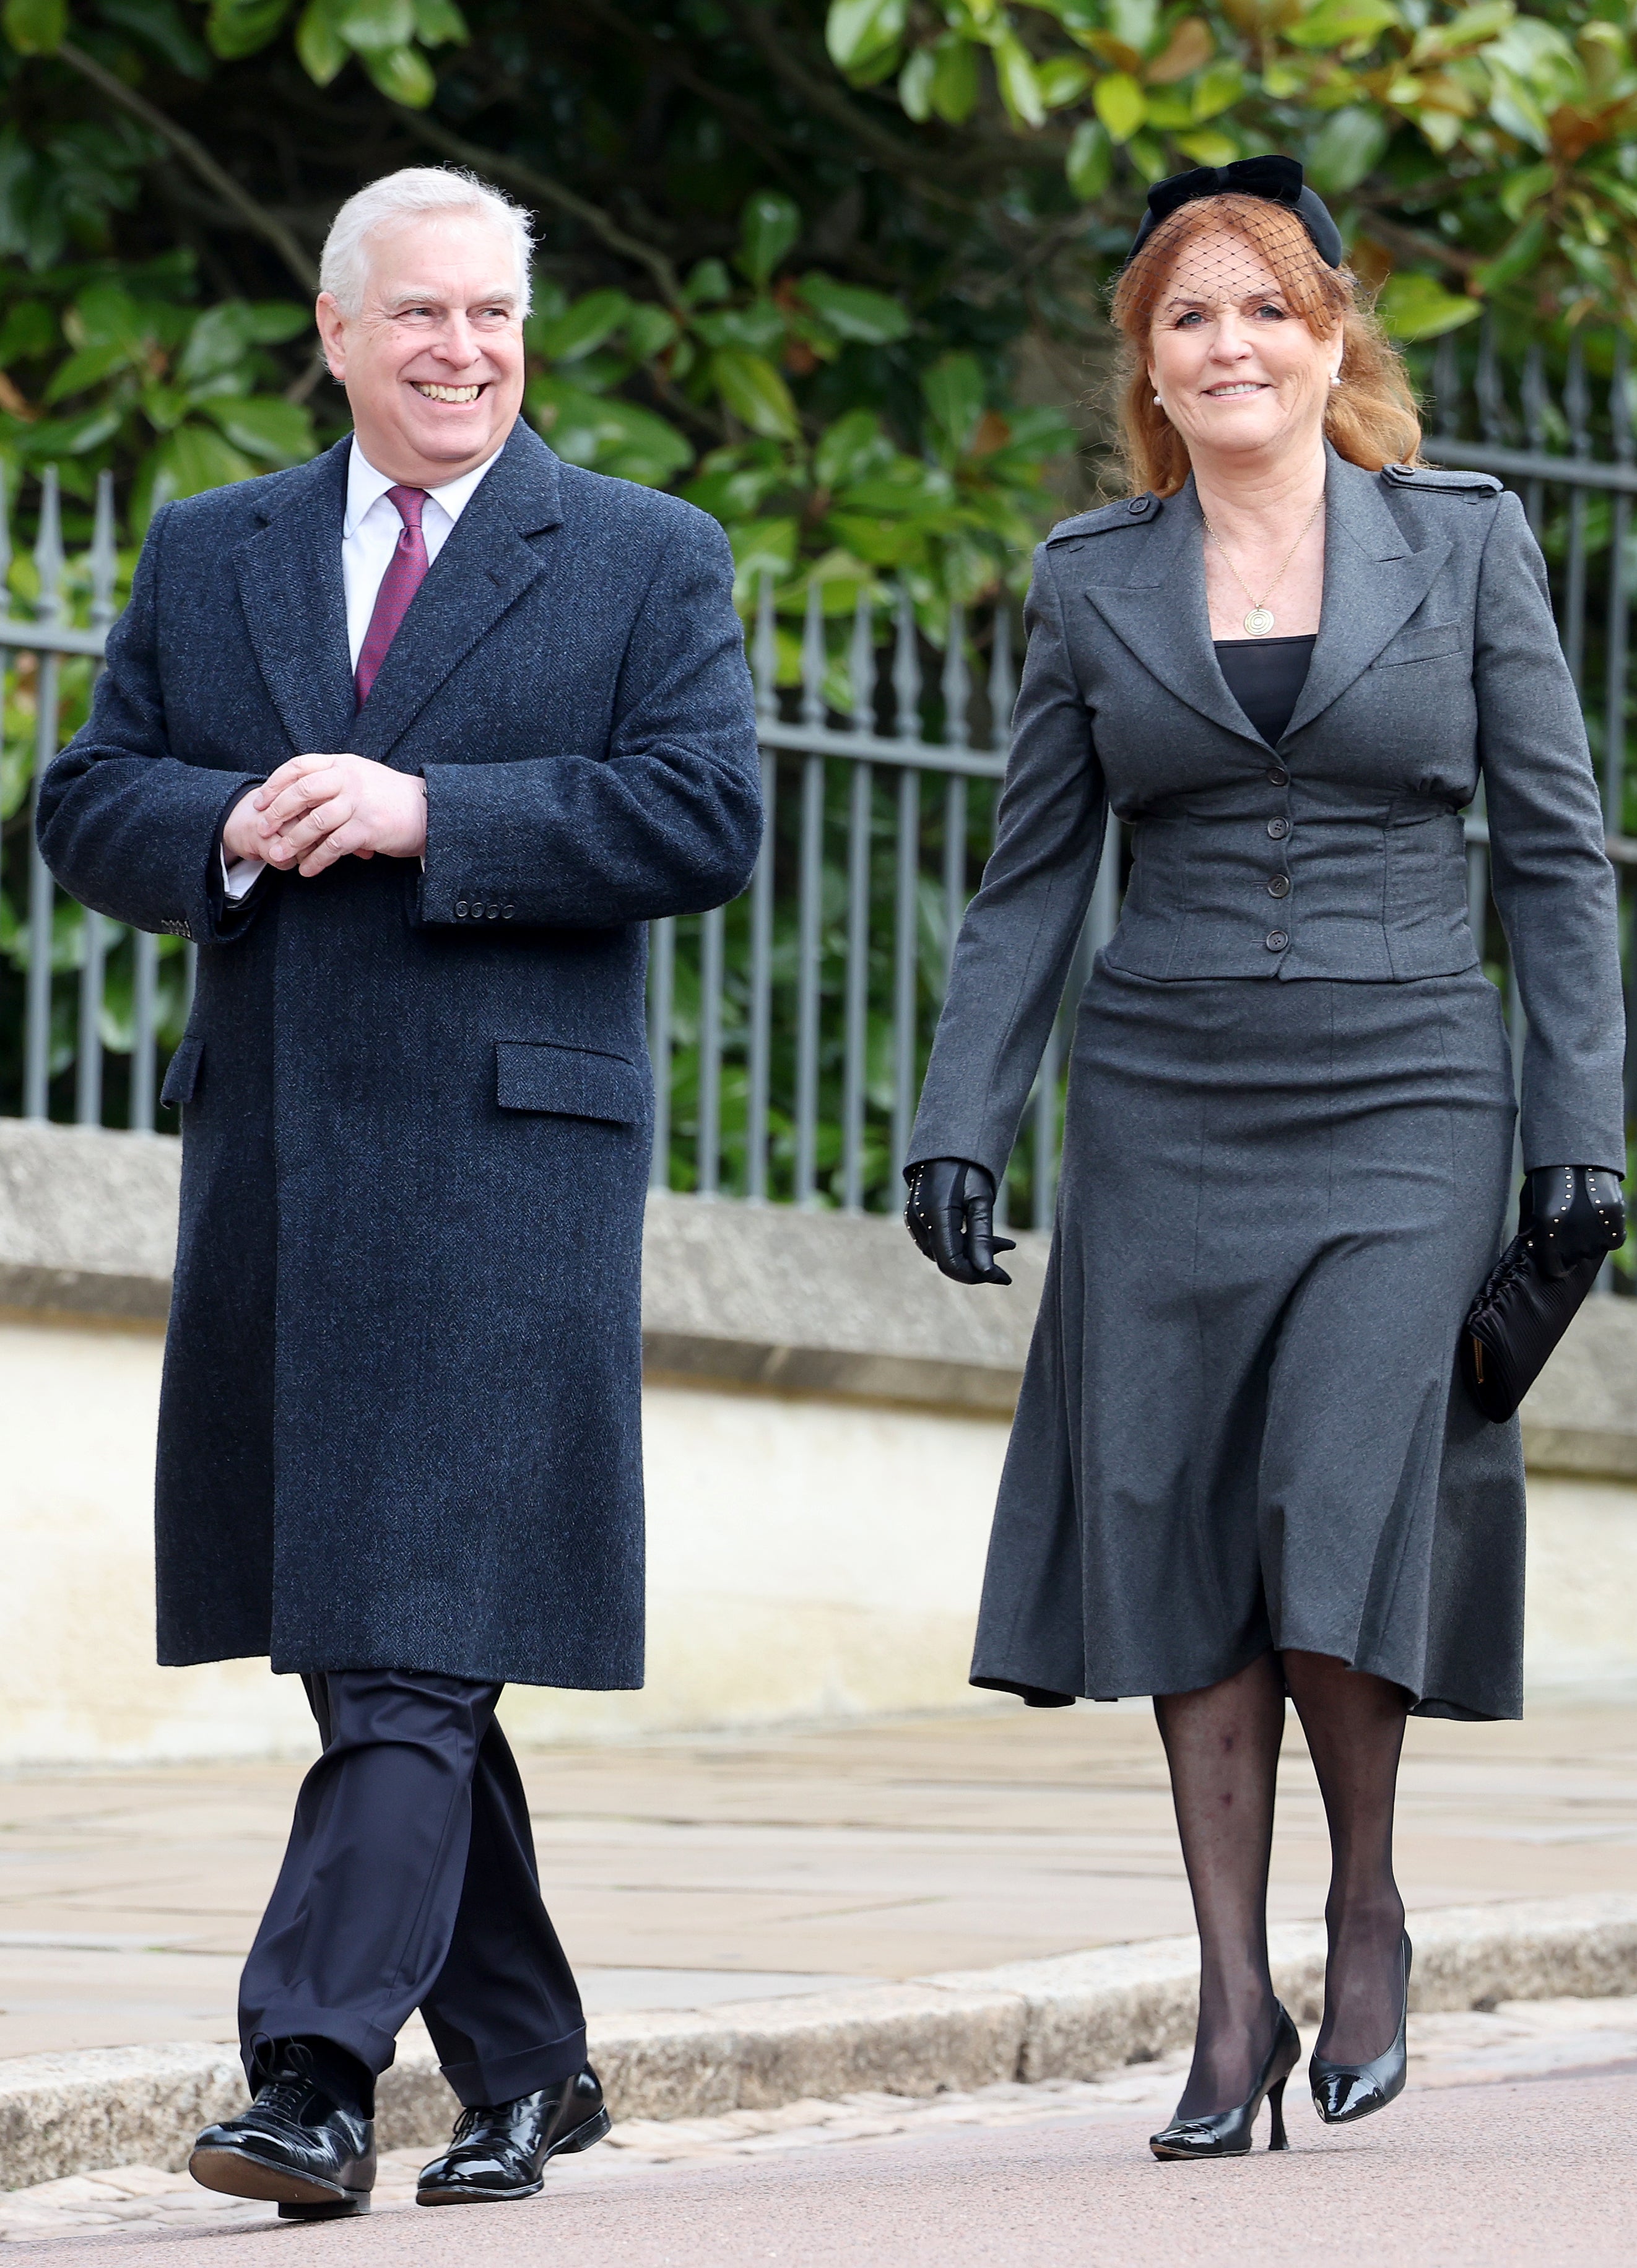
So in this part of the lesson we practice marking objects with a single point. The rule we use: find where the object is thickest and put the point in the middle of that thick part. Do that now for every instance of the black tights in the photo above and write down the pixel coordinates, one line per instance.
(1222, 1746)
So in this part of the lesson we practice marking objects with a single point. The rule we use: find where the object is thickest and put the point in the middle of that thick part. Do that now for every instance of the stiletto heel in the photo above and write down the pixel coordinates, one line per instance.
(1228, 2134)
(1276, 2115)
(1343, 2092)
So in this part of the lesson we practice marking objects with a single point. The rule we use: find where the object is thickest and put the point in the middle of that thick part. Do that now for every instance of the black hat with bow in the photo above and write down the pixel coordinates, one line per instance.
(1278, 179)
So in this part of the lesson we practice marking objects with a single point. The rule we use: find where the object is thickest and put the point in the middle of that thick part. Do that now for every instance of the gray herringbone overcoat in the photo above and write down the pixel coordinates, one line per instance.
(400, 1415)
(1288, 1139)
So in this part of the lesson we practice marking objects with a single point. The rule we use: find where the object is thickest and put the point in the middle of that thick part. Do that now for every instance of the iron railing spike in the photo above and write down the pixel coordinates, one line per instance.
(956, 682)
(104, 560)
(48, 559)
(813, 658)
(765, 652)
(906, 672)
(1002, 685)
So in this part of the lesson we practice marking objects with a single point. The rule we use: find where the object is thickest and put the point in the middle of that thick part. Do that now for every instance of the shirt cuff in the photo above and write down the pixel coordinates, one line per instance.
(240, 878)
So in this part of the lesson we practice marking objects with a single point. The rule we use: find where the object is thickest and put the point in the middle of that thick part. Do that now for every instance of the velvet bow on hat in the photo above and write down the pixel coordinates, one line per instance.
(1278, 178)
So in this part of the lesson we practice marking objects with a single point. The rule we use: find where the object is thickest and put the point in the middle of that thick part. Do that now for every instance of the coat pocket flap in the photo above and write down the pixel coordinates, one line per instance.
(572, 1082)
(183, 1074)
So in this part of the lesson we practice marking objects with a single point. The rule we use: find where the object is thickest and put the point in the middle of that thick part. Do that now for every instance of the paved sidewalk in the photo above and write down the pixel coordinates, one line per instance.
(685, 1871)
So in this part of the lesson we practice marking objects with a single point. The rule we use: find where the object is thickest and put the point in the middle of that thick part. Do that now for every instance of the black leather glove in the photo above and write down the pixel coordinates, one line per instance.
(1570, 1212)
(951, 1215)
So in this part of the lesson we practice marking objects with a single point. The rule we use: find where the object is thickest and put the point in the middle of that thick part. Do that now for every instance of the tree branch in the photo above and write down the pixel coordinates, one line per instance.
(195, 154)
(548, 192)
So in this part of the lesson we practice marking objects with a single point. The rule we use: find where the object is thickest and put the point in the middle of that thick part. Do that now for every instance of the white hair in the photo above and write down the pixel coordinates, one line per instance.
(410, 195)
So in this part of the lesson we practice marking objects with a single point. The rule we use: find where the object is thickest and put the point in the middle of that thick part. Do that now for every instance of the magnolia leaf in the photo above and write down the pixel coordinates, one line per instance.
(850, 449)
(1090, 161)
(860, 33)
(915, 85)
(1340, 22)
(1189, 49)
(769, 225)
(709, 283)
(1014, 76)
(320, 47)
(607, 435)
(1418, 307)
(1120, 103)
(439, 24)
(753, 390)
(1211, 147)
(954, 80)
(1515, 111)
(187, 462)
(1133, 22)
(403, 75)
(374, 26)
(1216, 89)
(1519, 191)
(277, 432)
(953, 392)
(582, 329)
(235, 28)
(1346, 148)
(88, 367)
(649, 331)
(869, 317)
(35, 27)
(1062, 81)
(1517, 257)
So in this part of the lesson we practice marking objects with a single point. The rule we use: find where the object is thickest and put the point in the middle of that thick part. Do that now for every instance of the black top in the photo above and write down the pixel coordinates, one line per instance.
(1265, 676)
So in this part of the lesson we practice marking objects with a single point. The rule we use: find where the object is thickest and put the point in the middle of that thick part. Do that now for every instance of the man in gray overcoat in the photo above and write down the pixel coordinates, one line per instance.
(400, 1430)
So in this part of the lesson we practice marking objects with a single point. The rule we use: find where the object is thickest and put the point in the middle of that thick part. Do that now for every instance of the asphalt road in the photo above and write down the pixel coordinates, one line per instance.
(1529, 2175)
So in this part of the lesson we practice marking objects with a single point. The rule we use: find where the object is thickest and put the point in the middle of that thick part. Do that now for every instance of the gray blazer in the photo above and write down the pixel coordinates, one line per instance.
(1337, 854)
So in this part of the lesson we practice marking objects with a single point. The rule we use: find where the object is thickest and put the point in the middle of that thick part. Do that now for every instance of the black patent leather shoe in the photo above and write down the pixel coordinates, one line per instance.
(1229, 2134)
(295, 2146)
(499, 2150)
(1343, 2092)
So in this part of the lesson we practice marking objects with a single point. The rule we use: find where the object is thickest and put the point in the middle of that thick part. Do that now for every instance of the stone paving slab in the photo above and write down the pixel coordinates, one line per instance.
(1516, 2042)
(884, 1850)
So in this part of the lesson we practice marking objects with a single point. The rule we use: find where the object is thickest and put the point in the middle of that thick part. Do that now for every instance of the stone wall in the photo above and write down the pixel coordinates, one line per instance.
(825, 1419)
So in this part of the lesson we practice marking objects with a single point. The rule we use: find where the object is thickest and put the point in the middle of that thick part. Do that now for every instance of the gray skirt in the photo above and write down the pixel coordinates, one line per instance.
(1242, 1426)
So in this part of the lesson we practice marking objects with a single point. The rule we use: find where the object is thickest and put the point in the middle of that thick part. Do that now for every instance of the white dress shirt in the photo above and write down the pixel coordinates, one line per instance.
(368, 535)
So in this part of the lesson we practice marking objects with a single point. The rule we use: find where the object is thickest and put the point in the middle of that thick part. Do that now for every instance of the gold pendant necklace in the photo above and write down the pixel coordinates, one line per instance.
(1259, 621)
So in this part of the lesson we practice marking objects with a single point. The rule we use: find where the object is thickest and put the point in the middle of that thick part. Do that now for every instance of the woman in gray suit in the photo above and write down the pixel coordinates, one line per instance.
(1242, 1466)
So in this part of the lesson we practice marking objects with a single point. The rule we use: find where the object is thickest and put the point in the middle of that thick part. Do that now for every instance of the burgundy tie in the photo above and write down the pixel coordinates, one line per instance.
(406, 572)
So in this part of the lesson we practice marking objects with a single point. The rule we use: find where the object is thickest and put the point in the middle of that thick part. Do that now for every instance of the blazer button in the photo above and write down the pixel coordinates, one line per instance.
(505, 913)
(460, 909)
(1276, 940)
(1279, 886)
(494, 913)
(1279, 829)
(1279, 776)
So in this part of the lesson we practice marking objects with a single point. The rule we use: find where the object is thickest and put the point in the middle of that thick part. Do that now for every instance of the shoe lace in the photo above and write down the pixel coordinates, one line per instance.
(469, 2121)
(289, 2084)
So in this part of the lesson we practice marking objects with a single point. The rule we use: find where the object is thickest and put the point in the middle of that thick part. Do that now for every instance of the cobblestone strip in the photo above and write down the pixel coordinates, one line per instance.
(1525, 2039)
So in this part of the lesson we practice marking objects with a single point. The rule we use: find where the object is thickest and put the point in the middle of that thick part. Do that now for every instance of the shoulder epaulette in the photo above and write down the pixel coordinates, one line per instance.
(1130, 510)
(1452, 484)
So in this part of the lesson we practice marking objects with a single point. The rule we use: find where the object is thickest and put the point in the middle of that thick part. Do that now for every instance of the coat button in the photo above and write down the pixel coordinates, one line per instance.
(1279, 829)
(1279, 886)
(1138, 507)
(1279, 776)
(1276, 940)
(505, 913)
(494, 913)
(460, 909)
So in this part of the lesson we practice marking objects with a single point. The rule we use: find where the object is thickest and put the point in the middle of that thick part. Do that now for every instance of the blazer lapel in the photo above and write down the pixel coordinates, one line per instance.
(480, 572)
(289, 578)
(1164, 619)
(1374, 582)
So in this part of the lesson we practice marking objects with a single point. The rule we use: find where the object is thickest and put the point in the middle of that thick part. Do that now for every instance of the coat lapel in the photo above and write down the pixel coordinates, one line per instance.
(480, 572)
(289, 578)
(1374, 582)
(1163, 618)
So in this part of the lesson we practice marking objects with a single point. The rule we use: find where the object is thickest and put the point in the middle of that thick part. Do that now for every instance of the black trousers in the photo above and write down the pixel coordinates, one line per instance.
(410, 1882)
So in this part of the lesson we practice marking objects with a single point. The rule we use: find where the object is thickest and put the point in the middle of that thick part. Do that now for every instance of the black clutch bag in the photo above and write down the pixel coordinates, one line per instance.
(1515, 1323)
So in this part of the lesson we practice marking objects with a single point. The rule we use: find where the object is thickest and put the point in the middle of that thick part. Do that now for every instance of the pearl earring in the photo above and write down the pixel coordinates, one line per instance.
(1337, 380)
(1158, 403)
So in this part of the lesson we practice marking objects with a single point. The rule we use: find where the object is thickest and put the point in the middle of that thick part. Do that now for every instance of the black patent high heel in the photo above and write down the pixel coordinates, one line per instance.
(1343, 2092)
(1228, 2134)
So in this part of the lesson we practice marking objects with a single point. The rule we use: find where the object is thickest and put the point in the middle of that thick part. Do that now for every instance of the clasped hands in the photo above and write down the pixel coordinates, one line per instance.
(316, 809)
